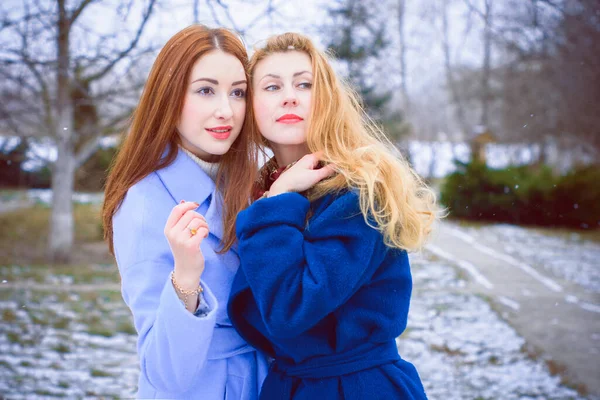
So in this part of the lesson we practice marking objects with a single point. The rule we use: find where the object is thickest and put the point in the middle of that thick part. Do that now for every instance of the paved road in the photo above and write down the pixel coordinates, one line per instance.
(558, 318)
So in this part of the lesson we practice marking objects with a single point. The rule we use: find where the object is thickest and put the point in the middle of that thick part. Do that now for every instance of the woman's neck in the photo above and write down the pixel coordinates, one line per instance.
(287, 154)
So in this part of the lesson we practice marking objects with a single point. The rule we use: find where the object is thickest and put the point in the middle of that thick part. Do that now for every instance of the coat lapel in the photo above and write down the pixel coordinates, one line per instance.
(185, 180)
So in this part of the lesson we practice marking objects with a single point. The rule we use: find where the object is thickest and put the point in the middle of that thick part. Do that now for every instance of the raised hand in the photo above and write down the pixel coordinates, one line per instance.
(301, 176)
(185, 230)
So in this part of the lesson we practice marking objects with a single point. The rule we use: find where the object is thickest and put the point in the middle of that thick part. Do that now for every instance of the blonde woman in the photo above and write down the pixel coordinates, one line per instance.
(324, 283)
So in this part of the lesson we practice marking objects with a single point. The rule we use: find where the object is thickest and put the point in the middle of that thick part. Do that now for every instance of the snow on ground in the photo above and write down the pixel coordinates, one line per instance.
(66, 345)
(463, 349)
(567, 256)
(83, 345)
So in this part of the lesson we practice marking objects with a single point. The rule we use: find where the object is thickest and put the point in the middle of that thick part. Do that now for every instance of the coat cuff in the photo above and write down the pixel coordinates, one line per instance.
(206, 301)
(178, 314)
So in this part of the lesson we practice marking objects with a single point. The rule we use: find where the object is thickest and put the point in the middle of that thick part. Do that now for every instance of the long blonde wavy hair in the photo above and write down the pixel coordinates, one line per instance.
(393, 198)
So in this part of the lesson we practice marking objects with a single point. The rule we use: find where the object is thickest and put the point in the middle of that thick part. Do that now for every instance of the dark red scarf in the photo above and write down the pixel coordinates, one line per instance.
(266, 176)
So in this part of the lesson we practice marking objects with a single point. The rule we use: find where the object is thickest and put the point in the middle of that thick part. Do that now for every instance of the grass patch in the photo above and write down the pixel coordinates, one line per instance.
(62, 348)
(560, 369)
(102, 296)
(6, 365)
(406, 332)
(494, 360)
(98, 373)
(26, 364)
(75, 273)
(24, 235)
(56, 366)
(125, 326)
(61, 323)
(64, 385)
(46, 392)
(19, 224)
(39, 319)
(100, 330)
(96, 326)
(441, 307)
(9, 315)
(13, 194)
(13, 337)
(446, 349)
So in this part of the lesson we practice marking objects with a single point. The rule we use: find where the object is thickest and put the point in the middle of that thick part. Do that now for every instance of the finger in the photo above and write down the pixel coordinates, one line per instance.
(325, 172)
(318, 175)
(199, 237)
(203, 233)
(318, 154)
(178, 211)
(309, 161)
(198, 215)
(317, 159)
(196, 224)
(185, 220)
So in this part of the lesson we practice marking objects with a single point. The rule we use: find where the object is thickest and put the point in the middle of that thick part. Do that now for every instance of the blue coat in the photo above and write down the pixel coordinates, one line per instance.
(181, 355)
(326, 300)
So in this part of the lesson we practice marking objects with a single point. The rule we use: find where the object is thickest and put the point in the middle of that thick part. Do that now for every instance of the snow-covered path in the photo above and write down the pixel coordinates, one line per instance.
(556, 310)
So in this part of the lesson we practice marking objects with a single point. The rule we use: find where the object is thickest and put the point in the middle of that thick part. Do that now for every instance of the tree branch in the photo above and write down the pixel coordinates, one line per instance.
(77, 12)
(87, 150)
(125, 52)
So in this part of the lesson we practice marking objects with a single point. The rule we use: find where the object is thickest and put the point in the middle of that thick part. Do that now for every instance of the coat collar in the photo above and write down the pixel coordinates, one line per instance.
(185, 180)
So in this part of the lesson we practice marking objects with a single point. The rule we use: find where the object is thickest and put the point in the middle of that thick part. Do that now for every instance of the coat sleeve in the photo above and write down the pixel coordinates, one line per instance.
(172, 342)
(299, 276)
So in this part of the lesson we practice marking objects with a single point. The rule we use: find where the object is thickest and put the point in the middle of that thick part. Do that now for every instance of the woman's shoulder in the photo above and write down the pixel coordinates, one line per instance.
(344, 202)
(147, 196)
(150, 191)
(148, 187)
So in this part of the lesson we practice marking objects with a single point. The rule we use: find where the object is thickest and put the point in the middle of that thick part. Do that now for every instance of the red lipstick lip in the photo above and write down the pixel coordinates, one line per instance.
(289, 119)
(224, 134)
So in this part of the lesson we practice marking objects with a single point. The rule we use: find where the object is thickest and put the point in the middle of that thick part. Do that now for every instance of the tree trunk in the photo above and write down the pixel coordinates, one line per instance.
(61, 219)
(485, 76)
(456, 99)
(61, 224)
(401, 13)
(433, 160)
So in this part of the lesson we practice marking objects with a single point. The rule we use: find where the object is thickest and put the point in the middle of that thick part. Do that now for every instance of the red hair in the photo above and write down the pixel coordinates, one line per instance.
(153, 129)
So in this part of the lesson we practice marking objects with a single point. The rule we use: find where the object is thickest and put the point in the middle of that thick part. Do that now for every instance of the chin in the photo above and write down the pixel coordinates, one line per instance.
(218, 151)
(288, 140)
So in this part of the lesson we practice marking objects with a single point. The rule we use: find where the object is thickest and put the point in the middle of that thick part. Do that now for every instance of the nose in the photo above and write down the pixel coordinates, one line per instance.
(290, 102)
(290, 99)
(224, 110)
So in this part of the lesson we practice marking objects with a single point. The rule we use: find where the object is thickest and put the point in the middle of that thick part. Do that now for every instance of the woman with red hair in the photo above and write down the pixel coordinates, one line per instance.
(186, 162)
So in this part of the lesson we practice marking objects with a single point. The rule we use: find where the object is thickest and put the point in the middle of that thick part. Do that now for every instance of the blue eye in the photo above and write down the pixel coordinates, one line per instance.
(305, 85)
(272, 88)
(239, 93)
(205, 91)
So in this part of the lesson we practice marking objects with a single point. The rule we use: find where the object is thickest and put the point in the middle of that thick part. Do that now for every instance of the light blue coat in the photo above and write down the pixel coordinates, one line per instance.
(181, 355)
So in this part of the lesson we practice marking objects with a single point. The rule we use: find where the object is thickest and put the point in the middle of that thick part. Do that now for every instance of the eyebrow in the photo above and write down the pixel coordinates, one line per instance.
(216, 82)
(279, 77)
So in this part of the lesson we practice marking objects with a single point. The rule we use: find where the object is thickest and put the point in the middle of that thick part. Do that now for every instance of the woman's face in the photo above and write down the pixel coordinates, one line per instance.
(282, 84)
(214, 107)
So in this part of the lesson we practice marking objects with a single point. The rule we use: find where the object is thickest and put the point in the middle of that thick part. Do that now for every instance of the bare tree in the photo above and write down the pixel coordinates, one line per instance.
(453, 88)
(56, 90)
(487, 51)
(549, 81)
(221, 13)
(402, 43)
